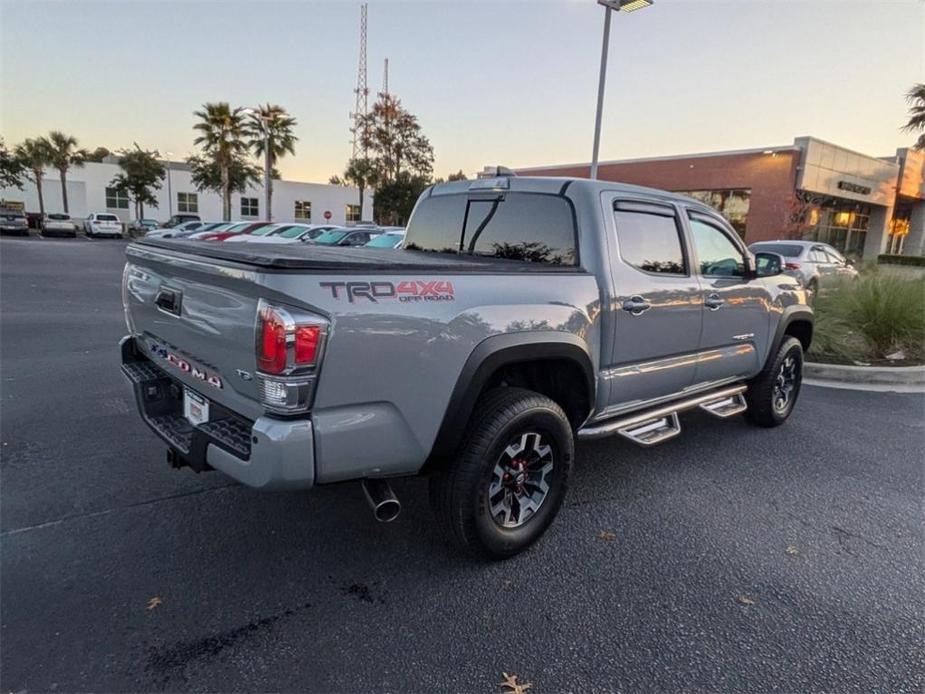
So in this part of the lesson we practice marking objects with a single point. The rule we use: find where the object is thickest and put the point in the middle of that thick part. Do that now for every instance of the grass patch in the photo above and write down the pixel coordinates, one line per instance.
(877, 319)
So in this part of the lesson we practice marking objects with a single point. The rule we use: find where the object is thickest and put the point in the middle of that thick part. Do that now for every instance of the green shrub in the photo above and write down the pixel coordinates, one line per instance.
(869, 318)
(916, 260)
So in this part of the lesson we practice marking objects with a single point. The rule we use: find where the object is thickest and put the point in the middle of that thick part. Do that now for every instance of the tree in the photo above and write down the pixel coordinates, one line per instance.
(98, 154)
(64, 154)
(395, 199)
(206, 174)
(12, 169)
(141, 176)
(222, 137)
(35, 155)
(336, 180)
(458, 176)
(362, 173)
(916, 99)
(393, 139)
(271, 125)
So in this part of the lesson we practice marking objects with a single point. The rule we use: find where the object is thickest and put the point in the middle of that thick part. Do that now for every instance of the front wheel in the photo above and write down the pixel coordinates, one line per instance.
(773, 393)
(505, 487)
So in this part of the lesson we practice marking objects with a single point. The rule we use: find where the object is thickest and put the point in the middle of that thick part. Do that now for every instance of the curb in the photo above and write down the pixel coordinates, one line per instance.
(869, 375)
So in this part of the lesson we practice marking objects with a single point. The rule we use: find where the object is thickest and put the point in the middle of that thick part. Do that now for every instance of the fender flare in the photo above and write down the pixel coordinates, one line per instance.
(791, 314)
(494, 353)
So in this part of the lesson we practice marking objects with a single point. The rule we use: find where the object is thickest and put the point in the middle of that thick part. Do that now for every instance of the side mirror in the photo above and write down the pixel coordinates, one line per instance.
(768, 264)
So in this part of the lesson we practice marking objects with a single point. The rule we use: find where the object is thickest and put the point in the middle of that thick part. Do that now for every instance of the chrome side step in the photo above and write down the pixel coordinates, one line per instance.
(726, 407)
(653, 431)
(650, 427)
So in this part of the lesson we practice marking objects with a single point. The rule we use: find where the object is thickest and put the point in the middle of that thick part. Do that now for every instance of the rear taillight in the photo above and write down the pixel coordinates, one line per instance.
(307, 338)
(289, 347)
(792, 266)
(272, 353)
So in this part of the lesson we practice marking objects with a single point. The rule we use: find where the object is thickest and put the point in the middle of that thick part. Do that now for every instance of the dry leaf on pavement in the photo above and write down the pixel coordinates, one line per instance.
(792, 550)
(745, 600)
(606, 535)
(512, 686)
(154, 602)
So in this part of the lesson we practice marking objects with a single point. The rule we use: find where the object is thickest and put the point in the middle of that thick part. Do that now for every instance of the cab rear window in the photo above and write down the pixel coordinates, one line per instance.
(531, 227)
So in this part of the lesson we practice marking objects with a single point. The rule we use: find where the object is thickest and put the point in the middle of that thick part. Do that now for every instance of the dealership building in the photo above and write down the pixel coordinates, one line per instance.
(862, 205)
(89, 190)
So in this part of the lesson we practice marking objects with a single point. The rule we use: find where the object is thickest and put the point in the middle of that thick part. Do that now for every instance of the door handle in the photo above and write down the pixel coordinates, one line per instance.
(713, 302)
(168, 300)
(636, 305)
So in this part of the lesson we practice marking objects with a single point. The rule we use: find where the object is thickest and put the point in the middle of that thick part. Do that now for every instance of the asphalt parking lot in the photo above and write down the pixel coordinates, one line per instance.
(730, 558)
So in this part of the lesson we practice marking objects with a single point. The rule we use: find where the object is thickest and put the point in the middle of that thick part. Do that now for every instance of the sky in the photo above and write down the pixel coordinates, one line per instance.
(500, 82)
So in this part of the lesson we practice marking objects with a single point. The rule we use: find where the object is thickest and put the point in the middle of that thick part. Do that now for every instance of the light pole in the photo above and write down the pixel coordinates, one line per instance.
(265, 126)
(610, 6)
(169, 192)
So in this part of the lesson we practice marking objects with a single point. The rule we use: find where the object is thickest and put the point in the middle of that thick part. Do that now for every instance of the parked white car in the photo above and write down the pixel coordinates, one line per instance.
(59, 224)
(815, 264)
(103, 224)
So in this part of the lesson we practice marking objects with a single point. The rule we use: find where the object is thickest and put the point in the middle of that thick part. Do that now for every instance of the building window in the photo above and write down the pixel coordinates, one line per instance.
(303, 210)
(116, 199)
(352, 213)
(250, 207)
(187, 202)
(842, 226)
(732, 204)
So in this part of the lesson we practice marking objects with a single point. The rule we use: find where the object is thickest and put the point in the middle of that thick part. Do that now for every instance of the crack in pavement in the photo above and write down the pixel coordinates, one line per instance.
(105, 512)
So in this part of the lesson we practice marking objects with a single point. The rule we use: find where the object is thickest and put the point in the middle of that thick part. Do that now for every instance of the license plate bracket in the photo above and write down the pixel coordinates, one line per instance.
(195, 407)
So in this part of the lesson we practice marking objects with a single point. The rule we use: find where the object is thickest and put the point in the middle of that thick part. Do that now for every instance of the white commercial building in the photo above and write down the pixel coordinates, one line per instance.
(89, 190)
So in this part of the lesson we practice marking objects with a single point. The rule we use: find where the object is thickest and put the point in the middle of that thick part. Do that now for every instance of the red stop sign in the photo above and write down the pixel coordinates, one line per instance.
(327, 214)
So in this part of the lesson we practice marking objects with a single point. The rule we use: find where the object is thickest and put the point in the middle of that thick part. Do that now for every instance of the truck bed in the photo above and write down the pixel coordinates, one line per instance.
(309, 258)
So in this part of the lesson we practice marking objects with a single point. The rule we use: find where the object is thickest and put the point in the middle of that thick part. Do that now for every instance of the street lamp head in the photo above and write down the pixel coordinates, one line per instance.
(625, 5)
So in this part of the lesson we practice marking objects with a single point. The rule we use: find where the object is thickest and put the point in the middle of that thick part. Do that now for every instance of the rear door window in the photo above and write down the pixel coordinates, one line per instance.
(107, 218)
(817, 255)
(650, 241)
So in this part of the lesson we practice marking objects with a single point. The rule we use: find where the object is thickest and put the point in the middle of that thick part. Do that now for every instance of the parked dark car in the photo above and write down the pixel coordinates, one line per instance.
(13, 222)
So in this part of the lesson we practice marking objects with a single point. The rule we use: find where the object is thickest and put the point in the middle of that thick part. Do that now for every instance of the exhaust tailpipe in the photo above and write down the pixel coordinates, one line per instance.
(382, 499)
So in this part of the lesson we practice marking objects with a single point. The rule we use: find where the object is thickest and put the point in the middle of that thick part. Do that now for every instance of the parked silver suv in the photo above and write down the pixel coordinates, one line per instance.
(814, 264)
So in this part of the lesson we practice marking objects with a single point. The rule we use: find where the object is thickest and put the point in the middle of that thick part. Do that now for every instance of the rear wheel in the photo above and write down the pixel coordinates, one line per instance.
(505, 487)
(772, 394)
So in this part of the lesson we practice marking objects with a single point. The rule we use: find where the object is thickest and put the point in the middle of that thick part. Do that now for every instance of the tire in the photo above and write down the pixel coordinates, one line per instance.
(461, 489)
(767, 405)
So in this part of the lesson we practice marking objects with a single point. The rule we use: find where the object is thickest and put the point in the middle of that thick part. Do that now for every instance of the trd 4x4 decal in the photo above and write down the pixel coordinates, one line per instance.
(406, 290)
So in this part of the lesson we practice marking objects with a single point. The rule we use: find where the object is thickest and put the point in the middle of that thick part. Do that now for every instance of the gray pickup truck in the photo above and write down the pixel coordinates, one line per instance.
(522, 314)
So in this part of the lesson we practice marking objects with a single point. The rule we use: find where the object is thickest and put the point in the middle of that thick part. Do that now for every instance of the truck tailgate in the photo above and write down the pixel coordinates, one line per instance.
(197, 321)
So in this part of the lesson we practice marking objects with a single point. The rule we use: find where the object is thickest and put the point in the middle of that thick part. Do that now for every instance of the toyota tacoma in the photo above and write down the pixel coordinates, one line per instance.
(522, 315)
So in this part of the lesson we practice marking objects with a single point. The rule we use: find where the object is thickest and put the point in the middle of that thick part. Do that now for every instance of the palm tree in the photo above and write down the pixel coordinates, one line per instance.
(222, 133)
(35, 156)
(270, 132)
(916, 99)
(64, 154)
(362, 173)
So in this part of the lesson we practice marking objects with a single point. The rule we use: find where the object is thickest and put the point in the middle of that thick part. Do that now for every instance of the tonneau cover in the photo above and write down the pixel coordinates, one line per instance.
(313, 258)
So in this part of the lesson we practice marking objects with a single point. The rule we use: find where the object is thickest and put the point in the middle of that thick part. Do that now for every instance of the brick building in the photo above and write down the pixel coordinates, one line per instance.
(860, 204)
